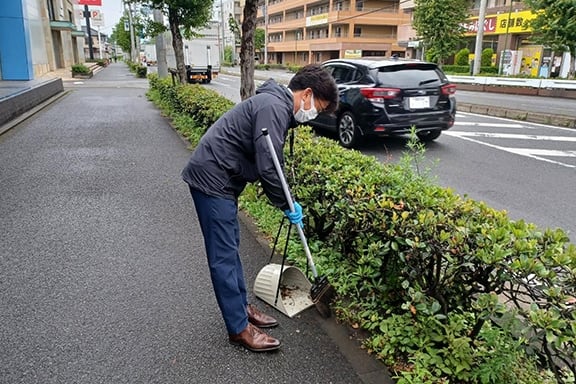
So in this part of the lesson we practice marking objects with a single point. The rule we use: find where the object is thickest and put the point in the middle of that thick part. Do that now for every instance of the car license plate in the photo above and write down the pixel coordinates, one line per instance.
(419, 102)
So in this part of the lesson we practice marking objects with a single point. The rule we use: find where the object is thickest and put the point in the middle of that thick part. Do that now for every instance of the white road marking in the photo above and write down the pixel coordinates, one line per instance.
(494, 125)
(216, 82)
(513, 136)
(543, 152)
(224, 78)
(531, 153)
(468, 114)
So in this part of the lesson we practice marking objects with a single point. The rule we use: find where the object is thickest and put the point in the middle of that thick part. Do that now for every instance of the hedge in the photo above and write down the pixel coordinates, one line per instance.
(447, 289)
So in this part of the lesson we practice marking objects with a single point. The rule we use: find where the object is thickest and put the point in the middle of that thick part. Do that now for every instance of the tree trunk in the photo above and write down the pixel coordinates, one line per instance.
(247, 50)
(174, 20)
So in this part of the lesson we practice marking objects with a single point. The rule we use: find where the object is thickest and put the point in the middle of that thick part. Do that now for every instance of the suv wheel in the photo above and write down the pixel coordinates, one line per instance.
(348, 133)
(427, 136)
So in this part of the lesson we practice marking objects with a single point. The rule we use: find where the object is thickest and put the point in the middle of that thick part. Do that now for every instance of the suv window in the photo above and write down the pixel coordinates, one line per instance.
(410, 76)
(343, 74)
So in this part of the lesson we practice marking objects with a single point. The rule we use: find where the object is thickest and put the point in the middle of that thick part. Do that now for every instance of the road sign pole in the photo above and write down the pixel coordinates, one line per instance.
(88, 29)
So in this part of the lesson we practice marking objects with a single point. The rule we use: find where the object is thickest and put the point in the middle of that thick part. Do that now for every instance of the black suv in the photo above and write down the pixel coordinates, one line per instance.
(383, 97)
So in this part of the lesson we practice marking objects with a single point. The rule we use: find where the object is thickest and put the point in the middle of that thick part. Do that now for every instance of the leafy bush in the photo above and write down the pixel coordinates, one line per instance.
(141, 71)
(489, 70)
(197, 106)
(447, 288)
(263, 67)
(486, 60)
(81, 69)
(458, 69)
(462, 57)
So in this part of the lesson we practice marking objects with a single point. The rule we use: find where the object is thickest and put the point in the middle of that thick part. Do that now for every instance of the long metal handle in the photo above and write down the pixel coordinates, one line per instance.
(288, 196)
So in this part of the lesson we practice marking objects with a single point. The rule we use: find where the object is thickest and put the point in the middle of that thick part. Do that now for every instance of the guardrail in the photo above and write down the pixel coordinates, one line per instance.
(514, 82)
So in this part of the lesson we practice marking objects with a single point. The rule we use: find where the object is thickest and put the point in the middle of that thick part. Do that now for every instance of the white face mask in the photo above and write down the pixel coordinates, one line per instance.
(303, 115)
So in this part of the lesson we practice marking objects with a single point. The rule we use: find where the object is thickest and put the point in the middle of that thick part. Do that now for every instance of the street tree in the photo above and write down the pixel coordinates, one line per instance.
(555, 26)
(247, 51)
(439, 26)
(121, 34)
(259, 39)
(183, 17)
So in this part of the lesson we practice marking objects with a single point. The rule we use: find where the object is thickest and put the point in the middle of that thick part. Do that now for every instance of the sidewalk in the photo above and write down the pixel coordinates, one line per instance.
(103, 276)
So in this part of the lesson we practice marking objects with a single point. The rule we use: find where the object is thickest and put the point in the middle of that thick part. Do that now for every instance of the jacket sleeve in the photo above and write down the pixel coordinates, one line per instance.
(277, 120)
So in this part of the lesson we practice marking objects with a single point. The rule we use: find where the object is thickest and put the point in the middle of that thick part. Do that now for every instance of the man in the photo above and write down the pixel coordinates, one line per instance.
(232, 153)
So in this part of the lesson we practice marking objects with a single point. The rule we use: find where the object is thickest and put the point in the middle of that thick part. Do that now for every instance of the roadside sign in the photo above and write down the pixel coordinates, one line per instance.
(97, 3)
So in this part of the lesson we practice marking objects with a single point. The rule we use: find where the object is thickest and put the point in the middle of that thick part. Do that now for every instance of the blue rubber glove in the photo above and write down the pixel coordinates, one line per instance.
(296, 216)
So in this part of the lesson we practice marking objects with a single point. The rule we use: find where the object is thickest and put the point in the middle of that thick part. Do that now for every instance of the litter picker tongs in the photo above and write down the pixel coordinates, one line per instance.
(321, 291)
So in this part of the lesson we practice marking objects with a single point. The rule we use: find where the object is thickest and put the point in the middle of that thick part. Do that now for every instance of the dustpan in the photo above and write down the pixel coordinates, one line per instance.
(284, 287)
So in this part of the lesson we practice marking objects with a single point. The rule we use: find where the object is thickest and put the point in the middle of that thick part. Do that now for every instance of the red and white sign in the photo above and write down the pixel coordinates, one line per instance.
(97, 3)
(96, 17)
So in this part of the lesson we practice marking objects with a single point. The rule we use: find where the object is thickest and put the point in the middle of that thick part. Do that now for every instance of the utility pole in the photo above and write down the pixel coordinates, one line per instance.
(89, 30)
(479, 37)
(504, 54)
(160, 47)
(265, 31)
(133, 53)
(222, 50)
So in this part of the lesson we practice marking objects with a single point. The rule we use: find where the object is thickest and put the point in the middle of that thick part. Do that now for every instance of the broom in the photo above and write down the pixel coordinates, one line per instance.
(322, 291)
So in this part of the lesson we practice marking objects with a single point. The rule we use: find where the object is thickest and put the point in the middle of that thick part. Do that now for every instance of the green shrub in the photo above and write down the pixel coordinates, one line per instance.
(196, 103)
(486, 60)
(263, 67)
(447, 288)
(458, 69)
(294, 68)
(81, 69)
(141, 71)
(489, 70)
(462, 57)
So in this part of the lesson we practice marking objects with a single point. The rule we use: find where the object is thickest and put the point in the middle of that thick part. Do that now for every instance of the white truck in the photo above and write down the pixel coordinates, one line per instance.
(201, 54)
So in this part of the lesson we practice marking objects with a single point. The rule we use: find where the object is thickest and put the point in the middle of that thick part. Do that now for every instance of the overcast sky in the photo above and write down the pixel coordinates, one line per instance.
(112, 10)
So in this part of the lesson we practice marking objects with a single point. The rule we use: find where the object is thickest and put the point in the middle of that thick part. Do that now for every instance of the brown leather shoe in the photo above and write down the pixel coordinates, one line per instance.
(255, 340)
(259, 319)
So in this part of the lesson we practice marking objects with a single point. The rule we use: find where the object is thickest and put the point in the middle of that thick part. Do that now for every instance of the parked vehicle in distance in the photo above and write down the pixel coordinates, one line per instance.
(386, 97)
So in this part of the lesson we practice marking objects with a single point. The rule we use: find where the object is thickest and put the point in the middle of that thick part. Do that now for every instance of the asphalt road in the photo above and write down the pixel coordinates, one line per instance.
(103, 277)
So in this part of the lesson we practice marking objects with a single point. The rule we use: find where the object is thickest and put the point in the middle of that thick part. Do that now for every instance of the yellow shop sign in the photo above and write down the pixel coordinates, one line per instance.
(513, 22)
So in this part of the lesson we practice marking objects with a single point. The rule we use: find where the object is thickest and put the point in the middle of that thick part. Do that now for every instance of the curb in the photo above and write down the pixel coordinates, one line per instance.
(517, 114)
(31, 112)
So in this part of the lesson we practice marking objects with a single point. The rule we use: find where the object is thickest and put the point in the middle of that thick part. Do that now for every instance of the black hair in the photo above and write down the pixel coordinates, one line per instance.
(322, 84)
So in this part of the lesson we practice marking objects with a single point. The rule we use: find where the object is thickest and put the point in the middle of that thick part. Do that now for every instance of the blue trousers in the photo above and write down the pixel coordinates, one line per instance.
(219, 222)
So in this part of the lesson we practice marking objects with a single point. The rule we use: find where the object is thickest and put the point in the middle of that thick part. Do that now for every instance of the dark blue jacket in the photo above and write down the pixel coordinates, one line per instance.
(233, 151)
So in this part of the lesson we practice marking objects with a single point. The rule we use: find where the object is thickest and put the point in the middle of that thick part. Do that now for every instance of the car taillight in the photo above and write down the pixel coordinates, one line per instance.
(449, 89)
(378, 95)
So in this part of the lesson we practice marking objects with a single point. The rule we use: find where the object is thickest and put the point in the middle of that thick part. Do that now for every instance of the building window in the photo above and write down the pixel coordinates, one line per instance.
(357, 31)
(359, 5)
(51, 14)
(338, 31)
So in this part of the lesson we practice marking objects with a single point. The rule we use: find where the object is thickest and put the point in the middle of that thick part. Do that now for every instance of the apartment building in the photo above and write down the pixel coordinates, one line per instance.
(303, 31)
(38, 36)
